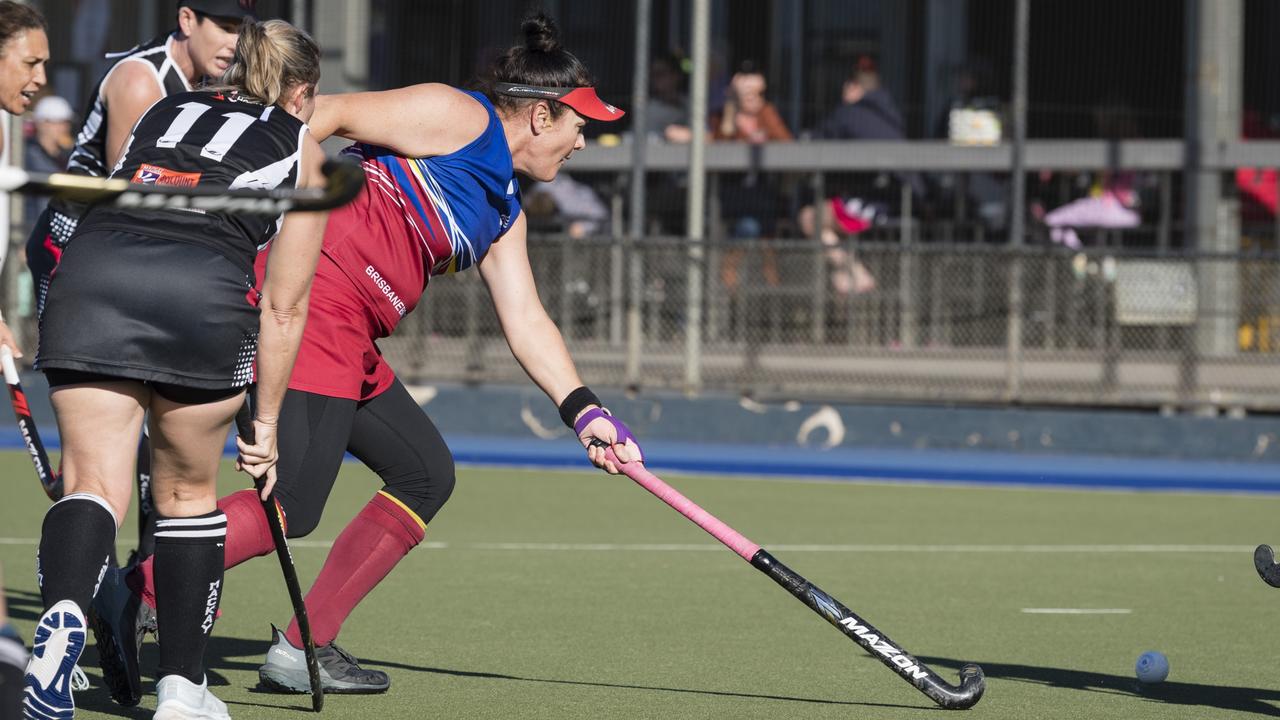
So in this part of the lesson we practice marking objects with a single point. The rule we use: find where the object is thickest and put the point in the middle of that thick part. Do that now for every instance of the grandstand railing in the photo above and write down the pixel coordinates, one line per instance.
(1111, 325)
(1133, 319)
(852, 156)
(1101, 327)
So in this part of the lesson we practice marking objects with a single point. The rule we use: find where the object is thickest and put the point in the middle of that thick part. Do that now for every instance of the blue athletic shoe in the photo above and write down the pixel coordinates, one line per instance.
(59, 641)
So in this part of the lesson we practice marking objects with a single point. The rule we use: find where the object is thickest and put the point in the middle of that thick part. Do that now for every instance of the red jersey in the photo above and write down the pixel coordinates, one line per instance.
(415, 218)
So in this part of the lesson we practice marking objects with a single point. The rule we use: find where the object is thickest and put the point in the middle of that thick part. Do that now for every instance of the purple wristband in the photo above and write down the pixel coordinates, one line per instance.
(624, 433)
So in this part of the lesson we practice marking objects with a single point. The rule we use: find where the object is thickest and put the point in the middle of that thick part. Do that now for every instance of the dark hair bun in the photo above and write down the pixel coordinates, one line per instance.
(540, 33)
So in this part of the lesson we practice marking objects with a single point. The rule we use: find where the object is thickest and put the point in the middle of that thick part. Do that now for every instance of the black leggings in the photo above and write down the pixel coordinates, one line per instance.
(390, 434)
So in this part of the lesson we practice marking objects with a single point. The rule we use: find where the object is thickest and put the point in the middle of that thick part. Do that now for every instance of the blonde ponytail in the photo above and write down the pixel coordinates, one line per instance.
(271, 58)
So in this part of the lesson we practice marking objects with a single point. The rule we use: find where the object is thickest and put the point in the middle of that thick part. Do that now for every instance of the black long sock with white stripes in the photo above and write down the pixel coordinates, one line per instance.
(188, 576)
(76, 544)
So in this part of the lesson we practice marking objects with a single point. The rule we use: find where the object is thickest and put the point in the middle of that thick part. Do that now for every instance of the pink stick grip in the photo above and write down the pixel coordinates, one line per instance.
(669, 495)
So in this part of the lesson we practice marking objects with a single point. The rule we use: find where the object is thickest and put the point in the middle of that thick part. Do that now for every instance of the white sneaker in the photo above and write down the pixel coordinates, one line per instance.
(181, 699)
(60, 637)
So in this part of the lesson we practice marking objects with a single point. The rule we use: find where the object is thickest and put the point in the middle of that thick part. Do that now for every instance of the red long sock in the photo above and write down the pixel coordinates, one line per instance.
(363, 554)
(247, 537)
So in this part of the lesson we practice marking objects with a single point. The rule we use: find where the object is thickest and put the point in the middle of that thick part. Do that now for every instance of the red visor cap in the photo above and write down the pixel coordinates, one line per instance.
(589, 105)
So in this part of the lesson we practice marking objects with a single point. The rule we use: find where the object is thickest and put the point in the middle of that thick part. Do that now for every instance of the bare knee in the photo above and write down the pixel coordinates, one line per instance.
(184, 499)
(117, 495)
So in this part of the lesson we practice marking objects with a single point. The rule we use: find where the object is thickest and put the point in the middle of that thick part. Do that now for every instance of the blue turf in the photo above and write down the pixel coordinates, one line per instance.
(981, 467)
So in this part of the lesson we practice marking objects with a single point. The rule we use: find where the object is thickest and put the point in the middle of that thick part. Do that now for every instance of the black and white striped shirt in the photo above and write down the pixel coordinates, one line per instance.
(90, 154)
(210, 139)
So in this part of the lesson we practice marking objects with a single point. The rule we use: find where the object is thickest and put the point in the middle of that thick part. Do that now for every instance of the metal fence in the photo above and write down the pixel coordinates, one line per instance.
(936, 304)
(919, 308)
(1096, 327)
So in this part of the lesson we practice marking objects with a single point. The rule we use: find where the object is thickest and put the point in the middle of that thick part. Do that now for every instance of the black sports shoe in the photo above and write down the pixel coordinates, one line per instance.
(120, 620)
(286, 670)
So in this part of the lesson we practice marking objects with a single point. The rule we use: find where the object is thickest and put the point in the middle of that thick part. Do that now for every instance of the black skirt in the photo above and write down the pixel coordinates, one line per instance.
(143, 308)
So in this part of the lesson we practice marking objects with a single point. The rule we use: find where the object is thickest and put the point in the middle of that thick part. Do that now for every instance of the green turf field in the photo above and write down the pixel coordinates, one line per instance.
(576, 595)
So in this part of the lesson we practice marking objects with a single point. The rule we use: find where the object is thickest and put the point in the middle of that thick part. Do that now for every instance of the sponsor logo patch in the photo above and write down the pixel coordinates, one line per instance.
(148, 174)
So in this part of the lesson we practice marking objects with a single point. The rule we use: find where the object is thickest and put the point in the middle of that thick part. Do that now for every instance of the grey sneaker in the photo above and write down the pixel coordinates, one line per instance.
(286, 670)
(120, 620)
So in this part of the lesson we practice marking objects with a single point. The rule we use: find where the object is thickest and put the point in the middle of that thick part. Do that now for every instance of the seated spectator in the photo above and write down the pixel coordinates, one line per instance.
(1259, 187)
(1113, 201)
(668, 111)
(749, 201)
(974, 114)
(867, 111)
(860, 201)
(667, 120)
(840, 219)
(574, 208)
(49, 146)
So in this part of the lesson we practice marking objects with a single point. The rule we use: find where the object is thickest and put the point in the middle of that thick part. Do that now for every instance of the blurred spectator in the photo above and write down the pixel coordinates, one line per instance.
(668, 112)
(566, 205)
(749, 201)
(747, 116)
(49, 146)
(970, 91)
(1258, 187)
(867, 110)
(842, 218)
(667, 119)
(974, 114)
(1112, 201)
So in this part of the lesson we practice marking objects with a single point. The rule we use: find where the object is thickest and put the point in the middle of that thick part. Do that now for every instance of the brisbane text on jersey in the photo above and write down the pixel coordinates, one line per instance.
(386, 289)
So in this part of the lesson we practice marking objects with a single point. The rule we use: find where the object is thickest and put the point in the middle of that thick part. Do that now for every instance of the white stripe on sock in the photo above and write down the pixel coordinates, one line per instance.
(174, 522)
(91, 498)
(191, 533)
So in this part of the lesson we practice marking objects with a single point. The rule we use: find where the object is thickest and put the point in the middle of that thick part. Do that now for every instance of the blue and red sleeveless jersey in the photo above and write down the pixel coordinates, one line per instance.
(419, 217)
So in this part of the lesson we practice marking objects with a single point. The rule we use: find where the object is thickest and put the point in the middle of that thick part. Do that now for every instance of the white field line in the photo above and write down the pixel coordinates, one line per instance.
(709, 547)
(1077, 611)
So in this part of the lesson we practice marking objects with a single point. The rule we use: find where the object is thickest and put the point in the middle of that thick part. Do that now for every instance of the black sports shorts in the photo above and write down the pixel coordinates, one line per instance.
(173, 393)
(129, 306)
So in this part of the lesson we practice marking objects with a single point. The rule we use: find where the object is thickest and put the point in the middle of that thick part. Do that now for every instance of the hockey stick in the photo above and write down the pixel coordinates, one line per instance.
(859, 630)
(146, 503)
(244, 425)
(344, 178)
(49, 480)
(1264, 561)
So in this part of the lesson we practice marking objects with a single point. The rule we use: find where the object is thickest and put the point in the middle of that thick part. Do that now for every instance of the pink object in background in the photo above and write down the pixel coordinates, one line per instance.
(1105, 211)
(852, 215)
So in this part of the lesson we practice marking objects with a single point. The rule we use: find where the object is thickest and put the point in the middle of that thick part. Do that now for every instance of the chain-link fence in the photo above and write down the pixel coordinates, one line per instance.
(965, 284)
(924, 322)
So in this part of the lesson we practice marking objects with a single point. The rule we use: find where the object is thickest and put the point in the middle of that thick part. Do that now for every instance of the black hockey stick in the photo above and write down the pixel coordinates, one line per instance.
(1264, 561)
(244, 425)
(343, 180)
(146, 503)
(972, 683)
(50, 482)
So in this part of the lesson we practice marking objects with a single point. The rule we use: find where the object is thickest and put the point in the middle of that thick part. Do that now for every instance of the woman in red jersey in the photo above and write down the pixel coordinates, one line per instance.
(441, 197)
